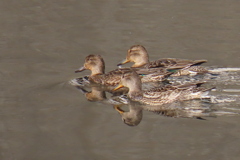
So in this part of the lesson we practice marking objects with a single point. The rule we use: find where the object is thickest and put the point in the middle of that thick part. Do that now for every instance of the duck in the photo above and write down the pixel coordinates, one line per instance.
(139, 56)
(161, 95)
(96, 65)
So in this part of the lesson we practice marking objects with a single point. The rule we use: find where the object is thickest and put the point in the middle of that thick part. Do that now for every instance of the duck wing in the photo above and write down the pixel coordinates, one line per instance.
(174, 63)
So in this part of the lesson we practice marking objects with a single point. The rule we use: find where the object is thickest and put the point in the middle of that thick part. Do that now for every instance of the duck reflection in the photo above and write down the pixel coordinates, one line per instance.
(189, 109)
(132, 117)
(98, 94)
(131, 112)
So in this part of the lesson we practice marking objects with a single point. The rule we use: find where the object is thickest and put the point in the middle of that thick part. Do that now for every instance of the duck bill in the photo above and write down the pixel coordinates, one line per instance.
(80, 69)
(118, 109)
(123, 62)
(118, 87)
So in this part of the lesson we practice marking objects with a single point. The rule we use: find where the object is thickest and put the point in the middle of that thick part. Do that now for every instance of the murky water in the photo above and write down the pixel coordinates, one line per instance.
(42, 43)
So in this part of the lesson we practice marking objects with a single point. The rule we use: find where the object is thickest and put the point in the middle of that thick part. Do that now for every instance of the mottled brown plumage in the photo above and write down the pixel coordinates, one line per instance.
(96, 64)
(139, 56)
(162, 95)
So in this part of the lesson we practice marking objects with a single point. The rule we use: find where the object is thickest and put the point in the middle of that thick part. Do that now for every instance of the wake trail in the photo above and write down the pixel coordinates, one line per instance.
(217, 70)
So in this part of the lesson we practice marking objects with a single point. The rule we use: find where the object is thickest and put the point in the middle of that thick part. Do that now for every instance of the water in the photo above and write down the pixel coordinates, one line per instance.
(43, 43)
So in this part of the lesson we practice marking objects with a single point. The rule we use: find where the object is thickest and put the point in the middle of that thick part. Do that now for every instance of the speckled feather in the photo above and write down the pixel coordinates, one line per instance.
(96, 64)
(161, 95)
(139, 56)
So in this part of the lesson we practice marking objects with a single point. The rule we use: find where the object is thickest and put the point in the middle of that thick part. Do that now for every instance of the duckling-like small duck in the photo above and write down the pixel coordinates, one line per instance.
(96, 64)
(162, 95)
(139, 56)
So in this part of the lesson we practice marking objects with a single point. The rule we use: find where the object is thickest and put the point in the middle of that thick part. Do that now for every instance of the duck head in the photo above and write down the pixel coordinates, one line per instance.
(132, 81)
(94, 63)
(138, 55)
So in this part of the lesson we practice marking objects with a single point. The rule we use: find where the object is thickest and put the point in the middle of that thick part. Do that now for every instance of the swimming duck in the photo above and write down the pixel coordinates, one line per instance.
(96, 64)
(161, 95)
(139, 56)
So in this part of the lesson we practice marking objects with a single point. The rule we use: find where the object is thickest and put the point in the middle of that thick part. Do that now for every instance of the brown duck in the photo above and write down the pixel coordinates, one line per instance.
(96, 65)
(139, 56)
(162, 95)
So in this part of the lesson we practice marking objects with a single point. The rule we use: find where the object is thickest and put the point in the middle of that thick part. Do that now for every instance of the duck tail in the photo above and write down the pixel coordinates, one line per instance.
(199, 62)
(219, 70)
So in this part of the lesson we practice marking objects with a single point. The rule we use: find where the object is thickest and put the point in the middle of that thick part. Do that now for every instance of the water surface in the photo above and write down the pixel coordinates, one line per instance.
(42, 43)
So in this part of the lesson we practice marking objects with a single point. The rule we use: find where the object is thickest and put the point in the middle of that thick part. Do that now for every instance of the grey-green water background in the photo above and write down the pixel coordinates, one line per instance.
(43, 42)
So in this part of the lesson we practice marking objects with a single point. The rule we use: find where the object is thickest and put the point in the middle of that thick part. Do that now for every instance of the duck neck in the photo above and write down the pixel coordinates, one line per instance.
(97, 70)
(141, 61)
(135, 91)
(140, 64)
